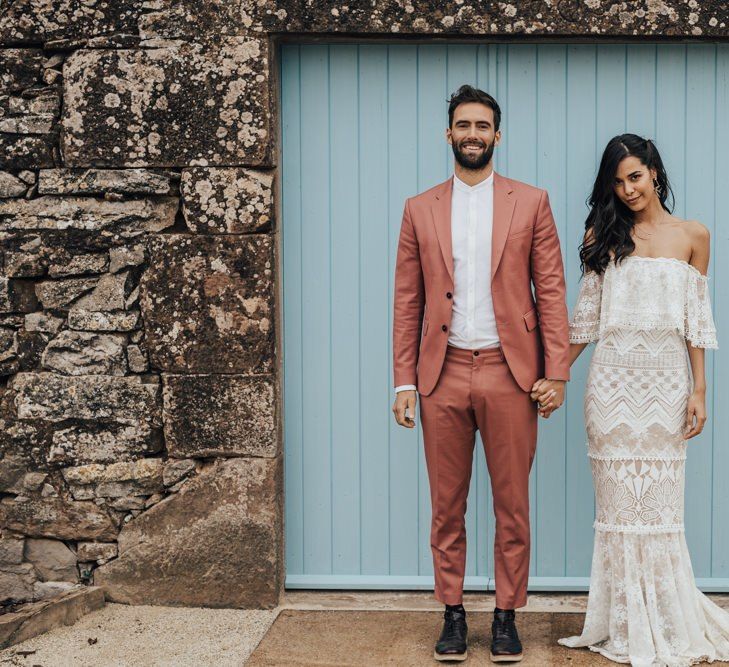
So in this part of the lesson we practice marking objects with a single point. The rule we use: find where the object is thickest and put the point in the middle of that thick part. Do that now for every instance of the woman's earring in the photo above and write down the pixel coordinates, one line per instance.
(657, 187)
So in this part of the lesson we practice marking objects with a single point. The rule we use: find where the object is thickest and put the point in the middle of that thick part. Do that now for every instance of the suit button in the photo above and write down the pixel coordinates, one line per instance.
(475, 354)
(449, 295)
(444, 327)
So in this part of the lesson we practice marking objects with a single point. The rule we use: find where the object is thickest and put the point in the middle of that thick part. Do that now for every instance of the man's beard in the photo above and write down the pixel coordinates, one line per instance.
(475, 162)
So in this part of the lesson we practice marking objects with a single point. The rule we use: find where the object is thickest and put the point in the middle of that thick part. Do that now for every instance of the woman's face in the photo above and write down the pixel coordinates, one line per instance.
(634, 183)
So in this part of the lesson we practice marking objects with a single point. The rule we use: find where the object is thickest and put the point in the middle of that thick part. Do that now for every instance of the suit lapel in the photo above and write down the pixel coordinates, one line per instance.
(441, 212)
(504, 202)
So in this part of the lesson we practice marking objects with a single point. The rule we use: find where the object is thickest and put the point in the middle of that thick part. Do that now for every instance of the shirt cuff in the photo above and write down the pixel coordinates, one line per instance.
(403, 387)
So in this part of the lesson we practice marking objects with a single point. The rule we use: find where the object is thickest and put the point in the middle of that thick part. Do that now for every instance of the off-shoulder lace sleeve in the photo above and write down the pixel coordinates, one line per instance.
(585, 321)
(699, 328)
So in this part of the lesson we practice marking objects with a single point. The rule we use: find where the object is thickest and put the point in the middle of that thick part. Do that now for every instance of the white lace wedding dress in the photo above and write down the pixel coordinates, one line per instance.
(643, 607)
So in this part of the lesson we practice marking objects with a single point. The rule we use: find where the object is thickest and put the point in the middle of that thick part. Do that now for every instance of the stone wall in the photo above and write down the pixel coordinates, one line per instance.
(140, 442)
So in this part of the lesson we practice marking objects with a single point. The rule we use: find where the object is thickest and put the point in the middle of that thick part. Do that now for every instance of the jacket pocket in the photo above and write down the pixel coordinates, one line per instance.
(531, 319)
(519, 232)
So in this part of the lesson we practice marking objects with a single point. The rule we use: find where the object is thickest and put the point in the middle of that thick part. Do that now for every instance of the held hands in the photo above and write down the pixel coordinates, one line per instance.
(549, 395)
(404, 408)
(696, 410)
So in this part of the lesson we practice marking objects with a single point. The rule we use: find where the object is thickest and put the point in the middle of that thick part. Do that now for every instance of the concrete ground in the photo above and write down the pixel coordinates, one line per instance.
(124, 636)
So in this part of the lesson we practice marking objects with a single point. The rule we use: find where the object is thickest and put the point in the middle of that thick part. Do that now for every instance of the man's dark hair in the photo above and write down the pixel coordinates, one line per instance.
(468, 93)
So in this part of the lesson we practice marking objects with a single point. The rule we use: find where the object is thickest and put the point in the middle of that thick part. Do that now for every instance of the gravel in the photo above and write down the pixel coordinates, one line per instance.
(121, 635)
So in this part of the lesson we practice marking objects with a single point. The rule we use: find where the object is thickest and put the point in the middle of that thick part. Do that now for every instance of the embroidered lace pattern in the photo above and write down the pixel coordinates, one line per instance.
(645, 293)
(644, 607)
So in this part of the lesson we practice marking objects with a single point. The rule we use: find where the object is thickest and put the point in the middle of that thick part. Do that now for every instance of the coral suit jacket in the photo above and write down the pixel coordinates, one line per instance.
(533, 327)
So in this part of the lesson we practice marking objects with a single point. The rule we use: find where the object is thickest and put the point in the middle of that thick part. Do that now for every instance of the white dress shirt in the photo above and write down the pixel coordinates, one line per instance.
(473, 323)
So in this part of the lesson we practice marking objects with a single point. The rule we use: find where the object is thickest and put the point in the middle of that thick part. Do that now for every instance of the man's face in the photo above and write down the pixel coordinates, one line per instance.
(472, 136)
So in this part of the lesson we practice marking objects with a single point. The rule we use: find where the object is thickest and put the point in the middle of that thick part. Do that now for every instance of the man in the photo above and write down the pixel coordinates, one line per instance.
(469, 337)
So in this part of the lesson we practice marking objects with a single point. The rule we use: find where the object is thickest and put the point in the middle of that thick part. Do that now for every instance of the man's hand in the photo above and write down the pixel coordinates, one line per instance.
(549, 394)
(404, 408)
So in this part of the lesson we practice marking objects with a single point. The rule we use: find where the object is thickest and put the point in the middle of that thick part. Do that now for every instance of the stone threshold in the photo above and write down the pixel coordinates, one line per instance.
(35, 618)
(421, 601)
(424, 601)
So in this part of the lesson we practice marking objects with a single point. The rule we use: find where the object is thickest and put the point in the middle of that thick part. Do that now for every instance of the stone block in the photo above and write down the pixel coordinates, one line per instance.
(17, 296)
(10, 186)
(36, 618)
(44, 322)
(96, 551)
(226, 200)
(90, 320)
(207, 303)
(33, 21)
(58, 518)
(23, 151)
(101, 181)
(103, 443)
(182, 104)
(219, 415)
(109, 294)
(52, 559)
(55, 398)
(85, 353)
(116, 480)
(48, 590)
(71, 265)
(190, 19)
(144, 469)
(61, 293)
(16, 582)
(128, 218)
(595, 17)
(11, 551)
(223, 525)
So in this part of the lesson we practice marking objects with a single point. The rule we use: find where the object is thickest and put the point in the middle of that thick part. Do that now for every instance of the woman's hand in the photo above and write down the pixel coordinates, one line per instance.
(695, 414)
(549, 395)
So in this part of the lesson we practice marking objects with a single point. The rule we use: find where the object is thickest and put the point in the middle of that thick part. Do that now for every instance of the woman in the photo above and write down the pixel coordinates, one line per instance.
(645, 300)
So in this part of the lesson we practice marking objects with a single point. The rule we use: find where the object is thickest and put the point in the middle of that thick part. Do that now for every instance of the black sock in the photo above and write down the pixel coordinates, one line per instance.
(455, 607)
(497, 609)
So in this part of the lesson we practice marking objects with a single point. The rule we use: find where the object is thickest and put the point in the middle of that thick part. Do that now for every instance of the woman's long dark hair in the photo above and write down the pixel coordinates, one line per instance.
(610, 220)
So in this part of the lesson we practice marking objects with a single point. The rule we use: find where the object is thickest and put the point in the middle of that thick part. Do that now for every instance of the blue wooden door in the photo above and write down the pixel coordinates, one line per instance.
(362, 129)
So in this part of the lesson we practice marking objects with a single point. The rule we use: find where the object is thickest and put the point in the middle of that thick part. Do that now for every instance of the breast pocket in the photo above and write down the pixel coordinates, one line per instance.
(519, 233)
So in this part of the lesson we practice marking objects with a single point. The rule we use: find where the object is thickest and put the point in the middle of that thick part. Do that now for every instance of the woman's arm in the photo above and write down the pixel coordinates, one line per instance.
(576, 351)
(696, 410)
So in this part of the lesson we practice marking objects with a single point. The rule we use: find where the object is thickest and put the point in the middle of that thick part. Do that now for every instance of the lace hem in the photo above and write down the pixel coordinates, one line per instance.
(632, 457)
(644, 607)
(703, 339)
(625, 528)
(574, 642)
(577, 339)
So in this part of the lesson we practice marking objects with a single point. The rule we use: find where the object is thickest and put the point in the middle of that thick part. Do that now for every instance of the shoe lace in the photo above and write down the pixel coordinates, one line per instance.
(452, 621)
(504, 625)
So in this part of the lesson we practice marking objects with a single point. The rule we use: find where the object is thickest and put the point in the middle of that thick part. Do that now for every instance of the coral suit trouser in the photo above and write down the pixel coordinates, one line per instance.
(476, 390)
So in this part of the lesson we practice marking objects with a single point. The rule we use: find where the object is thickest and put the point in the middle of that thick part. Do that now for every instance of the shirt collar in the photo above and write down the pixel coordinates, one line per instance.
(464, 187)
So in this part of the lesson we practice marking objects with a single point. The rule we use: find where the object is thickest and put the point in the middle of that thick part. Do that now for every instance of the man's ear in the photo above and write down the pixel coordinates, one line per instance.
(449, 138)
(497, 138)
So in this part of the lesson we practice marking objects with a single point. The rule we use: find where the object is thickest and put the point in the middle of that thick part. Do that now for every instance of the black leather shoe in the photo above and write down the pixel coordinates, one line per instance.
(452, 642)
(505, 644)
